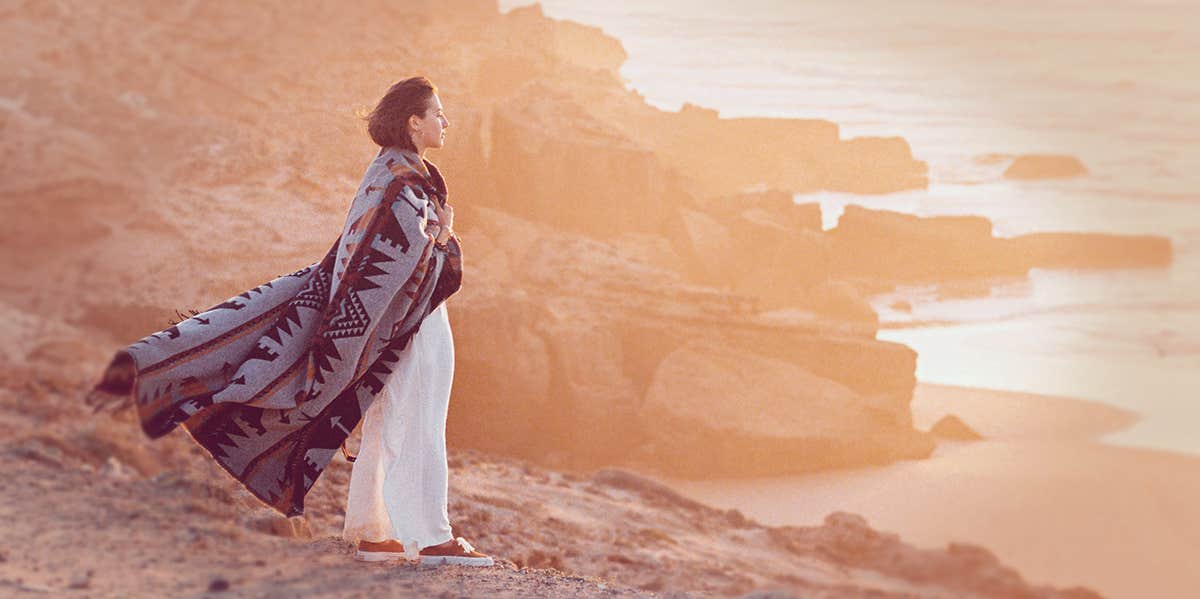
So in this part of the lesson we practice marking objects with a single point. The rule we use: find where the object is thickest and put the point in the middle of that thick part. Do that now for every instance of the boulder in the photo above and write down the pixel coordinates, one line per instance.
(1045, 166)
(780, 272)
(714, 256)
(841, 300)
(898, 247)
(1091, 250)
(882, 373)
(713, 410)
(771, 206)
(594, 401)
(563, 167)
(952, 427)
(873, 165)
(891, 246)
(502, 385)
(724, 156)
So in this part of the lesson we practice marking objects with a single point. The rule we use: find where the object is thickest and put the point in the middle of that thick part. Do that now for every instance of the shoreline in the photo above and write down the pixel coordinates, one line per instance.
(1021, 415)
(1041, 491)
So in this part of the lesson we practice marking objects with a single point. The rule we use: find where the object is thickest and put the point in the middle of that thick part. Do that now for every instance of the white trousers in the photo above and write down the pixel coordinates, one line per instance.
(399, 482)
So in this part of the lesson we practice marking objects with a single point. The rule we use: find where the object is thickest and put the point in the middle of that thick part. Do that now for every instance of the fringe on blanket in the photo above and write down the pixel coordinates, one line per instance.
(182, 317)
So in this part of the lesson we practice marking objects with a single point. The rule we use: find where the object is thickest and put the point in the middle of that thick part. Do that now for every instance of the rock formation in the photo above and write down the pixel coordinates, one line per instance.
(882, 245)
(162, 158)
(952, 427)
(1045, 166)
(165, 158)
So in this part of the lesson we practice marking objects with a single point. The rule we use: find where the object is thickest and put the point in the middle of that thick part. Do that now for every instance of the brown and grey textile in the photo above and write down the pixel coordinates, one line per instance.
(272, 380)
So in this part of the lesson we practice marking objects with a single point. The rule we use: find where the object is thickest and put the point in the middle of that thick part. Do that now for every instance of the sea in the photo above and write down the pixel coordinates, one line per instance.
(1116, 84)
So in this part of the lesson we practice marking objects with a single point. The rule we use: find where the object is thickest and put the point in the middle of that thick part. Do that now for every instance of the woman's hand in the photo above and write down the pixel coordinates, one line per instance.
(445, 218)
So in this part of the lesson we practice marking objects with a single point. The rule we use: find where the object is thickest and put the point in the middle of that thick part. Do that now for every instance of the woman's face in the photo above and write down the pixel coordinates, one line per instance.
(430, 131)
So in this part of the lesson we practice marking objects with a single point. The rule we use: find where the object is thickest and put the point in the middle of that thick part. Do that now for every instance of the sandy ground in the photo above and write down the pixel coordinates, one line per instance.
(155, 539)
(90, 508)
(1039, 491)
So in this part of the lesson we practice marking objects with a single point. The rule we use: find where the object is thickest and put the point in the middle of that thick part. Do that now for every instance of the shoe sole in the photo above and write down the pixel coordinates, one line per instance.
(377, 556)
(439, 560)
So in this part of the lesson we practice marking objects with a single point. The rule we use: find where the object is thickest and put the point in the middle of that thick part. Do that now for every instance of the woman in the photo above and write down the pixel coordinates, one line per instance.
(398, 487)
(272, 380)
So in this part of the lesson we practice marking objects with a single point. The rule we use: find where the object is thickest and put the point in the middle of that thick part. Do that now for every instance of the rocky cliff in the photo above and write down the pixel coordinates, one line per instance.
(618, 274)
(163, 158)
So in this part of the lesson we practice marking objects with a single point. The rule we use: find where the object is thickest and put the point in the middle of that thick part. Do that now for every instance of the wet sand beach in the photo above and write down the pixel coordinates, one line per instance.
(1038, 491)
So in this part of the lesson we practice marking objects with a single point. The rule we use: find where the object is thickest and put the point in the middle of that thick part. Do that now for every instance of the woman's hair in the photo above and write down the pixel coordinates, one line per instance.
(388, 123)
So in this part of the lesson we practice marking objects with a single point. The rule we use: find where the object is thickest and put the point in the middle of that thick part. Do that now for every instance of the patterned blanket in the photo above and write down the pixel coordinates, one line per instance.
(273, 380)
